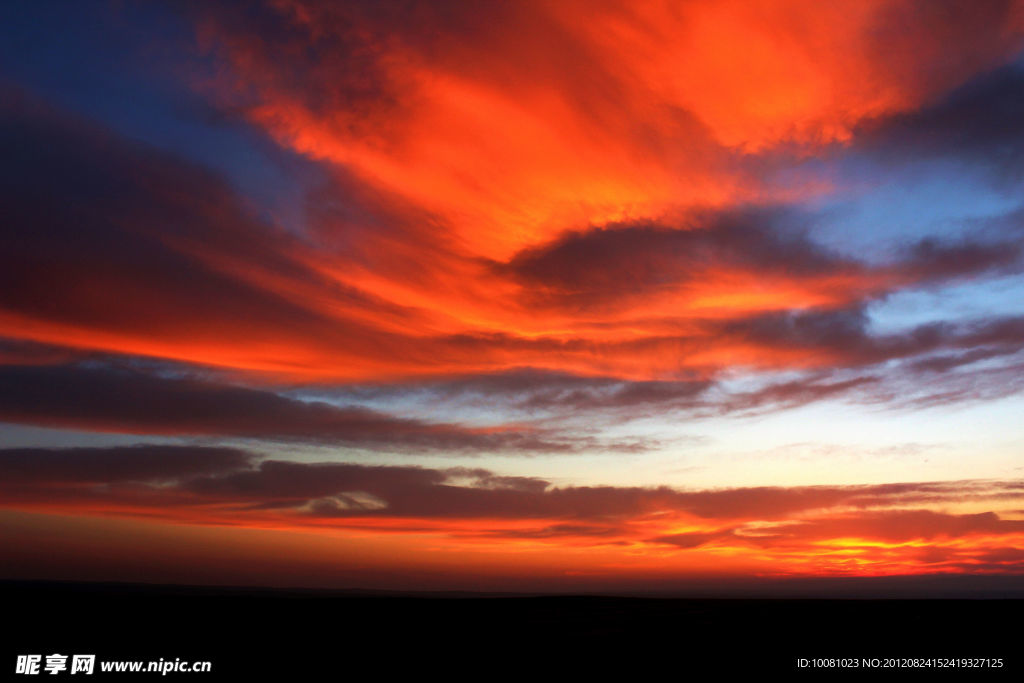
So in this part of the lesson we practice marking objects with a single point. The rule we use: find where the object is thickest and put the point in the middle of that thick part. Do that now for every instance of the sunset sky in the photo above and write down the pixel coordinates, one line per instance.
(531, 295)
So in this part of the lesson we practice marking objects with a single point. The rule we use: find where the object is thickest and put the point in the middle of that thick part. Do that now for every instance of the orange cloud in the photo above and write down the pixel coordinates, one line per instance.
(514, 124)
(563, 186)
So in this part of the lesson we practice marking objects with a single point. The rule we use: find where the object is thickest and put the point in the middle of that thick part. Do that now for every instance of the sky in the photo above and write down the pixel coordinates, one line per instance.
(543, 295)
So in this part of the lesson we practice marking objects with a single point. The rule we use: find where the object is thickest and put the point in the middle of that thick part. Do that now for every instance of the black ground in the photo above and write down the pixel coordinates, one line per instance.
(272, 634)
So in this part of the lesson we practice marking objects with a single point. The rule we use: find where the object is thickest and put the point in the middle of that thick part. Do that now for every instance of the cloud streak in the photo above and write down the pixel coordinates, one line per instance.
(122, 400)
(813, 525)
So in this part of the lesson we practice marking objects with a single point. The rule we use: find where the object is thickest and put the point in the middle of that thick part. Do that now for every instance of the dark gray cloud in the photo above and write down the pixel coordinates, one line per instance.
(978, 124)
(231, 479)
(845, 335)
(122, 399)
(606, 266)
(143, 463)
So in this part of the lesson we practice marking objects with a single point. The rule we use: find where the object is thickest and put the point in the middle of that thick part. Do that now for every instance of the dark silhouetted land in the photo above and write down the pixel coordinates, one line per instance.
(298, 634)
